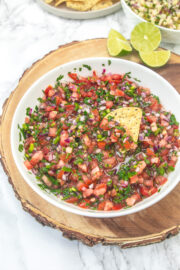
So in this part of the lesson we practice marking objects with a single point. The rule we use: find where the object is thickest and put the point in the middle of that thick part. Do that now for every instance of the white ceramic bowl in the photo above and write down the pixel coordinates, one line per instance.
(159, 86)
(168, 35)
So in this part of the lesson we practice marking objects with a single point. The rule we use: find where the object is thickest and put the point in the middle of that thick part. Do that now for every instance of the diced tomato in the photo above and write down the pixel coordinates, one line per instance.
(133, 199)
(117, 206)
(64, 138)
(110, 162)
(81, 186)
(52, 131)
(38, 156)
(116, 77)
(151, 118)
(27, 119)
(45, 150)
(28, 165)
(155, 106)
(93, 163)
(52, 114)
(109, 104)
(161, 180)
(96, 114)
(127, 145)
(108, 206)
(47, 90)
(87, 180)
(140, 167)
(119, 93)
(104, 124)
(101, 145)
(73, 76)
(51, 93)
(100, 189)
(87, 192)
(172, 161)
(153, 190)
(60, 174)
(150, 152)
(74, 176)
(83, 167)
(65, 157)
(134, 179)
(49, 108)
(58, 100)
(86, 140)
(69, 107)
(83, 205)
(148, 183)
(101, 205)
(144, 191)
(72, 200)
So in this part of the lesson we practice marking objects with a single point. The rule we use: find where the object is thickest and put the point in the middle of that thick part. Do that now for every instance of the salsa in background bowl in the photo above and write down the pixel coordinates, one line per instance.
(168, 35)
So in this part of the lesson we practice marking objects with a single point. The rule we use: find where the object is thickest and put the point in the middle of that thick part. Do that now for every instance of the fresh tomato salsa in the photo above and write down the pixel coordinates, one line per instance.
(86, 159)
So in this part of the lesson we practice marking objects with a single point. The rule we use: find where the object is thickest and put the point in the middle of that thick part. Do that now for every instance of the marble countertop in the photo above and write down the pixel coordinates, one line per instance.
(27, 33)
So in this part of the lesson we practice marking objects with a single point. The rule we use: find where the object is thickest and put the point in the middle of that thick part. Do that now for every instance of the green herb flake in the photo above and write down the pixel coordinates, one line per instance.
(20, 148)
(87, 66)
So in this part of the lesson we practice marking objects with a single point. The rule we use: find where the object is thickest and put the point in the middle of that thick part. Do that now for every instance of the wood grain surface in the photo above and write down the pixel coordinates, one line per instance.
(151, 225)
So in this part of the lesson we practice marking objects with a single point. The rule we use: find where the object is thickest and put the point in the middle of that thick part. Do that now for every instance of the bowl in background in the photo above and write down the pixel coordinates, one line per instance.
(169, 97)
(168, 35)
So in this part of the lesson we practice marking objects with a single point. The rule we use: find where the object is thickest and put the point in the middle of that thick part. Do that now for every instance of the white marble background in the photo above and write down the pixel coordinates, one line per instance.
(27, 33)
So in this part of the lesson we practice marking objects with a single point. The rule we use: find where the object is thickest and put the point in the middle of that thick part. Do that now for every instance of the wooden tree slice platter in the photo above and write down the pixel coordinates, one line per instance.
(151, 225)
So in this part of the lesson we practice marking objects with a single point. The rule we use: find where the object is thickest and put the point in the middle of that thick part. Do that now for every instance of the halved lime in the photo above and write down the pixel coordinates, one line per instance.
(155, 58)
(117, 44)
(145, 37)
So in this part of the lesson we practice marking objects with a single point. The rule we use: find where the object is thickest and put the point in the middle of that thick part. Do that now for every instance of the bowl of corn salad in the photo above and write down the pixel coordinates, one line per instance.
(164, 14)
(75, 158)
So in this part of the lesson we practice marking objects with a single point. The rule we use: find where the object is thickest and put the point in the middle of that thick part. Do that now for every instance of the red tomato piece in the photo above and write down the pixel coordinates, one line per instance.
(118, 206)
(72, 200)
(64, 138)
(161, 180)
(38, 156)
(73, 76)
(81, 186)
(108, 206)
(150, 152)
(52, 131)
(119, 93)
(60, 174)
(47, 90)
(144, 191)
(28, 165)
(100, 189)
(127, 145)
(151, 118)
(101, 145)
(134, 179)
(109, 104)
(83, 205)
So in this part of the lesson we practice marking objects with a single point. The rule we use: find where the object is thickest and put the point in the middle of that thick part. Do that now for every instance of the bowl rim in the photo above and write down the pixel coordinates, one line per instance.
(139, 17)
(67, 206)
(78, 12)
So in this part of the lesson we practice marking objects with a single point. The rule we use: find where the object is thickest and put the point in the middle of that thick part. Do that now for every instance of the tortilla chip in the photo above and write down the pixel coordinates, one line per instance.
(49, 1)
(102, 4)
(59, 2)
(81, 6)
(129, 118)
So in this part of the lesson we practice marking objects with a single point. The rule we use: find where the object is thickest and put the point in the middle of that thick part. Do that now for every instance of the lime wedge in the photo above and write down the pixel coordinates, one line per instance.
(145, 37)
(117, 44)
(155, 58)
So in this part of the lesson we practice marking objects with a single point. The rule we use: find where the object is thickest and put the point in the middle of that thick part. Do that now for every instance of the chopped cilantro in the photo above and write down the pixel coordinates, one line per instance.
(87, 66)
